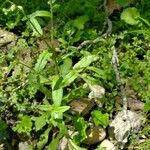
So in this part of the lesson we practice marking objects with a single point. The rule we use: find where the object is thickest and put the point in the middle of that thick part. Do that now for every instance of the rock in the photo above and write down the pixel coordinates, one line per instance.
(2, 147)
(81, 106)
(63, 144)
(123, 126)
(23, 146)
(133, 104)
(7, 39)
(108, 145)
(97, 92)
(95, 135)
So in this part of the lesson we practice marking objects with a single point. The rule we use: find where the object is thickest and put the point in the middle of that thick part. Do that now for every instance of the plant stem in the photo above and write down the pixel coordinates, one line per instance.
(52, 21)
(115, 64)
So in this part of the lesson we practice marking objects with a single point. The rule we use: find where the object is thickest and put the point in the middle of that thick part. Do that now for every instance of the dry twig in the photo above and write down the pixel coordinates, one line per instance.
(115, 64)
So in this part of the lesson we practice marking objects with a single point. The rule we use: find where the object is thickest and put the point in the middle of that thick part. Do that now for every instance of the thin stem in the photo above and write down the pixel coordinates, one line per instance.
(115, 64)
(50, 48)
(52, 21)
(52, 37)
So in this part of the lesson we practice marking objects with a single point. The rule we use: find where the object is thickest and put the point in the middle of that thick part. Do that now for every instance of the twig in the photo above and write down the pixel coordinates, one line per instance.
(115, 64)
(107, 21)
(89, 42)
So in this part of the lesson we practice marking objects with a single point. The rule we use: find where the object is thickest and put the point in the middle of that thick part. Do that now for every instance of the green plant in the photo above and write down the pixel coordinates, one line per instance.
(38, 85)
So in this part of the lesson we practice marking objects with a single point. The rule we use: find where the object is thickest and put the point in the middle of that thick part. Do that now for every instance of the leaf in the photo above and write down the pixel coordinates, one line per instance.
(4, 132)
(56, 94)
(57, 84)
(24, 126)
(62, 132)
(122, 3)
(69, 78)
(42, 60)
(77, 37)
(88, 79)
(55, 7)
(41, 13)
(53, 145)
(43, 139)
(130, 15)
(85, 62)
(100, 119)
(97, 71)
(40, 122)
(100, 148)
(144, 21)
(45, 107)
(61, 109)
(75, 93)
(34, 24)
(73, 146)
(65, 67)
(53, 108)
(147, 106)
(80, 125)
(80, 21)
(45, 91)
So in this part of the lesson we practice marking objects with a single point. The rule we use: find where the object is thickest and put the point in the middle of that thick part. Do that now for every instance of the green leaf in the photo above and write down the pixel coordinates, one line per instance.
(24, 126)
(54, 144)
(53, 108)
(100, 119)
(42, 61)
(75, 93)
(43, 139)
(144, 21)
(45, 91)
(73, 146)
(147, 106)
(80, 21)
(76, 37)
(40, 122)
(56, 94)
(69, 78)
(130, 15)
(41, 13)
(4, 132)
(65, 67)
(62, 132)
(34, 24)
(97, 71)
(61, 109)
(122, 3)
(85, 62)
(45, 107)
(89, 79)
(53, 1)
(100, 148)
(80, 125)
(58, 83)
